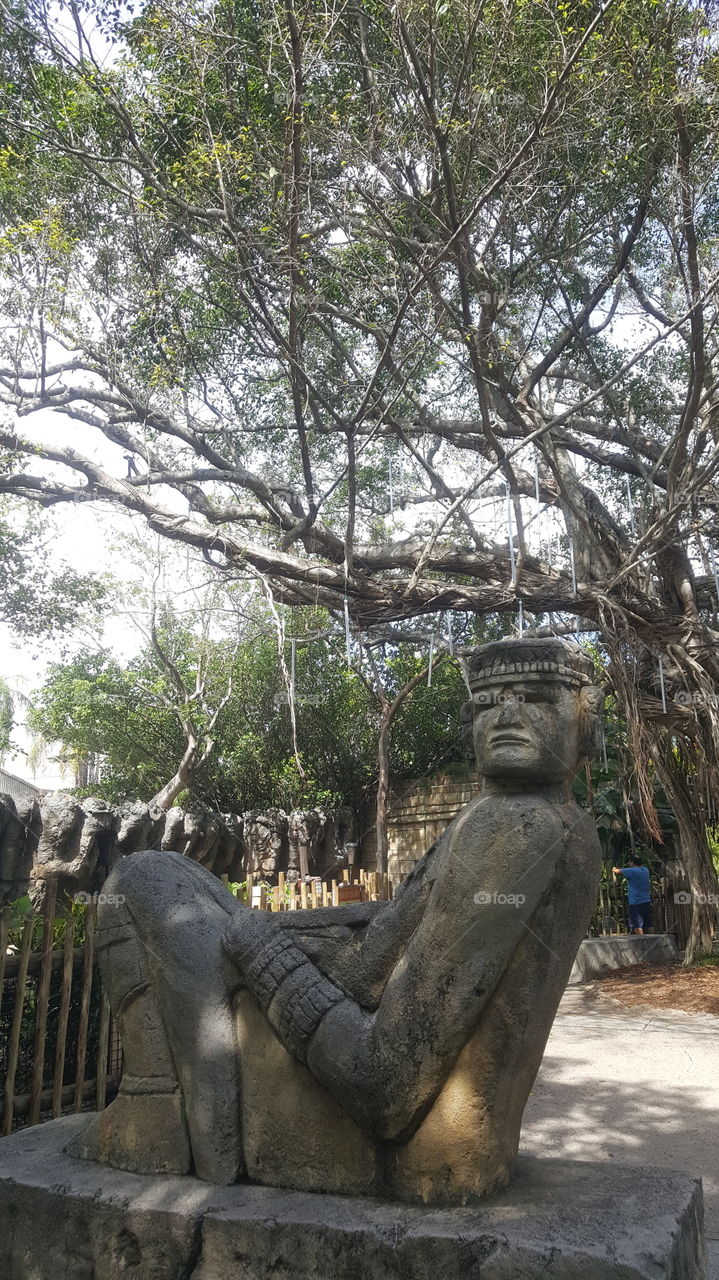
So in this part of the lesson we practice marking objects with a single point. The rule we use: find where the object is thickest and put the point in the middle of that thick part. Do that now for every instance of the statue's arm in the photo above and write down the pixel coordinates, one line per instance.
(386, 1067)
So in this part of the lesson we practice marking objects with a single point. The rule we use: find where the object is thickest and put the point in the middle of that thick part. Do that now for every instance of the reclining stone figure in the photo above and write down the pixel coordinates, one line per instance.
(380, 1048)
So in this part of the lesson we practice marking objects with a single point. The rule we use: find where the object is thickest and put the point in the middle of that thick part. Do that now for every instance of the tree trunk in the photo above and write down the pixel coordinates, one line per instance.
(389, 712)
(181, 779)
(383, 790)
(695, 850)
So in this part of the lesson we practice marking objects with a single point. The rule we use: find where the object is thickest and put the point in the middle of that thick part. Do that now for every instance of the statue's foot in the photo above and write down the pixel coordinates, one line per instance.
(142, 1131)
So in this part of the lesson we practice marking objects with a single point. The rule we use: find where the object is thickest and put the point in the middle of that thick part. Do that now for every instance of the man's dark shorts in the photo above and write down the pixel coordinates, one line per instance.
(640, 915)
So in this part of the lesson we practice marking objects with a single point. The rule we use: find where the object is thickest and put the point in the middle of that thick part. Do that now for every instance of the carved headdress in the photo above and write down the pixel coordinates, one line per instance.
(518, 660)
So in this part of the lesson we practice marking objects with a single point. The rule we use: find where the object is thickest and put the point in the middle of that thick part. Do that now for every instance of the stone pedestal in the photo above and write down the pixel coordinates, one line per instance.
(560, 1220)
(597, 956)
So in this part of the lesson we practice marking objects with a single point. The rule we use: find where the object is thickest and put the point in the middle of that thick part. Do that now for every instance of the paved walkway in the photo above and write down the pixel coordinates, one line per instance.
(636, 1086)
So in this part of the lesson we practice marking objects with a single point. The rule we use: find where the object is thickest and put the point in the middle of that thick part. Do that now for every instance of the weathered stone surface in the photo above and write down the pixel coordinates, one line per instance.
(169, 994)
(193, 832)
(138, 827)
(75, 835)
(173, 831)
(341, 836)
(19, 830)
(305, 828)
(560, 1220)
(58, 1219)
(598, 955)
(265, 836)
(80, 841)
(231, 853)
(205, 852)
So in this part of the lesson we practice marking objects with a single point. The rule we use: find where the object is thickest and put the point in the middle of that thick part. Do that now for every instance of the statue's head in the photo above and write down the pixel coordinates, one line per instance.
(535, 708)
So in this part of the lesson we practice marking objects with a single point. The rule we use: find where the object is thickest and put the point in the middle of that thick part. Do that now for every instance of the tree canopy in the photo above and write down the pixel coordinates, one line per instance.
(125, 715)
(347, 279)
(37, 596)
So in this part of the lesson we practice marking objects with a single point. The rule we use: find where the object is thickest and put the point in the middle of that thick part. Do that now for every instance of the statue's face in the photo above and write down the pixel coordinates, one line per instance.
(527, 731)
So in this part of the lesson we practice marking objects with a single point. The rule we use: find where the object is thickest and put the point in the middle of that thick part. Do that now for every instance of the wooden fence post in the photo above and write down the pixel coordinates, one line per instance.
(67, 970)
(85, 1005)
(102, 1051)
(4, 930)
(43, 996)
(14, 1046)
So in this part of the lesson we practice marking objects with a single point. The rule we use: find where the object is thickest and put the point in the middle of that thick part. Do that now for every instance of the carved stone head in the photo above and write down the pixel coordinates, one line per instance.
(536, 710)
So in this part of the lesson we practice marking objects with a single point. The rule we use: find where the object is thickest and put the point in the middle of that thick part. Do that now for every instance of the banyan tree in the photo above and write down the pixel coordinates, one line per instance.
(402, 309)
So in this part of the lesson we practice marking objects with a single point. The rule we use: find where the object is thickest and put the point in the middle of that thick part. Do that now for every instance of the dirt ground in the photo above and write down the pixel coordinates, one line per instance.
(662, 986)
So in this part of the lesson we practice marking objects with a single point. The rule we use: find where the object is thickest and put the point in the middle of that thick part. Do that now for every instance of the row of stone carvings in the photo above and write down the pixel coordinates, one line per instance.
(77, 841)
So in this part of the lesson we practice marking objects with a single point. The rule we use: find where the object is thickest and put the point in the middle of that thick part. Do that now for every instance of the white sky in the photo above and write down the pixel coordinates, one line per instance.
(85, 537)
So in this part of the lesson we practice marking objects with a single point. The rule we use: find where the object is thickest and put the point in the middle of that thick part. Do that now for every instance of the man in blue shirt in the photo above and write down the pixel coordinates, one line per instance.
(638, 885)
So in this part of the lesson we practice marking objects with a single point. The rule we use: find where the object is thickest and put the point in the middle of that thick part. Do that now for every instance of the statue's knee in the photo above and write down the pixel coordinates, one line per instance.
(131, 882)
(172, 909)
(152, 887)
(130, 904)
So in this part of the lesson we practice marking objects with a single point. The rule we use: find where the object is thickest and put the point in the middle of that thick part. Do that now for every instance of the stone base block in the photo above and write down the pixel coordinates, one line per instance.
(596, 956)
(65, 1219)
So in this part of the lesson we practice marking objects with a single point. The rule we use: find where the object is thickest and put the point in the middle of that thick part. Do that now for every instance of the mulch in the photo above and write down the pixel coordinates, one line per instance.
(664, 986)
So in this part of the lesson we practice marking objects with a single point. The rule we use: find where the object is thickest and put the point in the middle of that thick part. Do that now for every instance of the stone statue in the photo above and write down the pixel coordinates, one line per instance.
(380, 1048)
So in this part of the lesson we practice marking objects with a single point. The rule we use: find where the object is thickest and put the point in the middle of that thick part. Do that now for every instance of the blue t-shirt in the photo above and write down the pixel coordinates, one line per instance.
(638, 884)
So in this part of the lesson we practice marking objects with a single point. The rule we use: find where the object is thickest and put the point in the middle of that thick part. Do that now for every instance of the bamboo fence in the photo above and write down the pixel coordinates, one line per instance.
(306, 895)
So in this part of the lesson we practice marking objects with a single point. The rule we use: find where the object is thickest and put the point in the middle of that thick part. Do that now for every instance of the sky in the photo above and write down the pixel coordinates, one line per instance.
(87, 538)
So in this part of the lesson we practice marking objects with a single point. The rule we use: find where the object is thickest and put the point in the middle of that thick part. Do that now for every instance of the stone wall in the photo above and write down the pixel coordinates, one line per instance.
(419, 811)
(76, 841)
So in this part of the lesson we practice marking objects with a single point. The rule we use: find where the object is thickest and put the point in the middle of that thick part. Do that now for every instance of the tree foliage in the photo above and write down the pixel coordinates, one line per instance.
(35, 599)
(6, 717)
(123, 714)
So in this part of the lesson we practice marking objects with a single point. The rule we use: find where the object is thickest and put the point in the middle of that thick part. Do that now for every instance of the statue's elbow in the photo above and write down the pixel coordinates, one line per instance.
(366, 1079)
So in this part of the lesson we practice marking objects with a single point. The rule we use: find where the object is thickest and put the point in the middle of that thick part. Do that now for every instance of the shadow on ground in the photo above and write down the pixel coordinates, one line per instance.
(635, 1088)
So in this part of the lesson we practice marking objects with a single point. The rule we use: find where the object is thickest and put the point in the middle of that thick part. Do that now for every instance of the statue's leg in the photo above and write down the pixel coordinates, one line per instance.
(170, 986)
(144, 1128)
